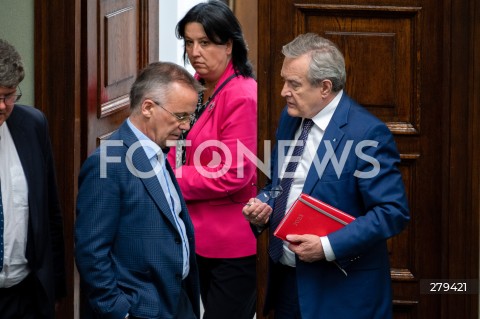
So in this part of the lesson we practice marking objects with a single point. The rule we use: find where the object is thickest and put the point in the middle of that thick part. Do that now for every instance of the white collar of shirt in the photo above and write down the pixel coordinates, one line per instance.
(150, 147)
(322, 118)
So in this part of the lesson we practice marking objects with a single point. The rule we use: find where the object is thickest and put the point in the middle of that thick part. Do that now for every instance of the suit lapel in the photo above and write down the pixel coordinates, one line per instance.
(332, 137)
(21, 141)
(141, 163)
(184, 212)
(289, 126)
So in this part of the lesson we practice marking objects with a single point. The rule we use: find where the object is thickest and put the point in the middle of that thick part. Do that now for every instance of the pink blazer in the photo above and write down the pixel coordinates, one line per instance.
(214, 182)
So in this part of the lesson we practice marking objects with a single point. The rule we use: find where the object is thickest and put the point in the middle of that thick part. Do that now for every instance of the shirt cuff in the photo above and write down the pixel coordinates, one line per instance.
(327, 249)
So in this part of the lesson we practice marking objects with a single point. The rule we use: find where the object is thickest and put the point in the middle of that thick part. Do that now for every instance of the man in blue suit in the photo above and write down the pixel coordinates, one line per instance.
(134, 238)
(32, 252)
(349, 161)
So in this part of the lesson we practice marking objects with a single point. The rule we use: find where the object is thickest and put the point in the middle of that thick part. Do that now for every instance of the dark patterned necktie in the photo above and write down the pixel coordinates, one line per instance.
(275, 248)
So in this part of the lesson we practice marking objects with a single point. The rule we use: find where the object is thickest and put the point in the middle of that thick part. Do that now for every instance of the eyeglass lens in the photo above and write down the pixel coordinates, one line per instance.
(266, 194)
(11, 98)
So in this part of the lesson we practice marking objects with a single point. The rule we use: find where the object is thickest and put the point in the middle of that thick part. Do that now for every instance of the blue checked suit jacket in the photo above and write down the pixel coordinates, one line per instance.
(379, 204)
(128, 249)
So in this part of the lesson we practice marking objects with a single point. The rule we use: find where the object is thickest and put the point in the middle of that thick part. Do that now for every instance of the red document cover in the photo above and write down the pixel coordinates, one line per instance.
(309, 215)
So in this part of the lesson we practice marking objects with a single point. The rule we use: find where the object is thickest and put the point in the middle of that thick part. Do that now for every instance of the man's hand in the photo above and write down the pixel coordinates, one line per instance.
(257, 212)
(308, 247)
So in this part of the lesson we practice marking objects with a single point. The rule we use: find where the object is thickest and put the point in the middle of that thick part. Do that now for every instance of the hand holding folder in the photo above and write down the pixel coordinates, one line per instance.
(309, 215)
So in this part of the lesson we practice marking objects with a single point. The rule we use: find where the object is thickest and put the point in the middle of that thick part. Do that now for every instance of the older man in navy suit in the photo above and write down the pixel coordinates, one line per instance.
(134, 238)
(348, 160)
(32, 266)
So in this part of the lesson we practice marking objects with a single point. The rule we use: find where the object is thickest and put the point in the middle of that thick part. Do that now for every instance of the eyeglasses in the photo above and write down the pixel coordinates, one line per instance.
(182, 118)
(10, 99)
(264, 194)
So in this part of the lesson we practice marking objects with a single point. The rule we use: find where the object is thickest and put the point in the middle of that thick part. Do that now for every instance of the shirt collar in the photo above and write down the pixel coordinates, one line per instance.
(325, 115)
(150, 148)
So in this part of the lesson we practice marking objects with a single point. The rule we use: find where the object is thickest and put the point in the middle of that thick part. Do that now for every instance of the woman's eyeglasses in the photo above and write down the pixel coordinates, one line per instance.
(264, 194)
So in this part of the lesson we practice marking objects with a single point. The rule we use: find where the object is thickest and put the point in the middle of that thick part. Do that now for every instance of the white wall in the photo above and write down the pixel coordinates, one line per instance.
(171, 11)
(16, 27)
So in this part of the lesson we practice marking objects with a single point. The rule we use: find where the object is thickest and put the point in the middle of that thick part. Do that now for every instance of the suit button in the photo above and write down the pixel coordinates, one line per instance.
(178, 241)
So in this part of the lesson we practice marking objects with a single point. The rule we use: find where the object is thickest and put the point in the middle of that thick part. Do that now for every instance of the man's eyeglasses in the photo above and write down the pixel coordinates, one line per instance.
(10, 99)
(182, 117)
(264, 194)
(269, 193)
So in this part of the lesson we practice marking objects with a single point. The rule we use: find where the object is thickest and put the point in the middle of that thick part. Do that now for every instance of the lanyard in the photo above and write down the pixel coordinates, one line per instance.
(220, 88)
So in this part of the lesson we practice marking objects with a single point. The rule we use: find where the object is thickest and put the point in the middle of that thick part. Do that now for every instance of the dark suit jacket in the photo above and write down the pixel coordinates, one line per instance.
(378, 202)
(128, 249)
(45, 246)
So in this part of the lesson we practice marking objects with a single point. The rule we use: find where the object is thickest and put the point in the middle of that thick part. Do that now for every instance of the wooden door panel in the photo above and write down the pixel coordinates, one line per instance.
(118, 53)
(381, 48)
(401, 248)
(122, 38)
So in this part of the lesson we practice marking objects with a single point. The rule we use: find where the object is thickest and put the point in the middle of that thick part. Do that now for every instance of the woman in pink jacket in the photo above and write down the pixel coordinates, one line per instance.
(216, 170)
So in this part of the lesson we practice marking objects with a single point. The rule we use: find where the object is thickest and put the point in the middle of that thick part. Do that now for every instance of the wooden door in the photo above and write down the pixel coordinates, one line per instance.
(395, 55)
(88, 53)
(121, 38)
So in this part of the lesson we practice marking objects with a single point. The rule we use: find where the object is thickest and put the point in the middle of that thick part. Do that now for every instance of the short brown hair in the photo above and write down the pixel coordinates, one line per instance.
(11, 66)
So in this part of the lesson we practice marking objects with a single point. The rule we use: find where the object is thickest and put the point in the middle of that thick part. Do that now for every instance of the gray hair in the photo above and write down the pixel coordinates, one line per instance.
(11, 66)
(327, 62)
(156, 79)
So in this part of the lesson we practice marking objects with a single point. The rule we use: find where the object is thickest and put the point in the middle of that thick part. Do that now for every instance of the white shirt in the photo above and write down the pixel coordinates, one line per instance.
(15, 210)
(321, 121)
(157, 159)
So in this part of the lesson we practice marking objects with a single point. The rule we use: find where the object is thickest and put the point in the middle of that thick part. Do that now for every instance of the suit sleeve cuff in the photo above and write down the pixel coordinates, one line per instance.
(327, 249)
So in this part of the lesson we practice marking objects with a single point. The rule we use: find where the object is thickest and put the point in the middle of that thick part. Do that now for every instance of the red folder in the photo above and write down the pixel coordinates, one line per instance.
(309, 215)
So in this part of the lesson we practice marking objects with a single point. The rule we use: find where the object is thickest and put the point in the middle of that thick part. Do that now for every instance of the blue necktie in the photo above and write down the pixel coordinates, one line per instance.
(1, 229)
(275, 248)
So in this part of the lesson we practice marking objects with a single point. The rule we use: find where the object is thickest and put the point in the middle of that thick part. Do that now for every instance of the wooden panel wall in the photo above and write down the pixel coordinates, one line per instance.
(57, 94)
